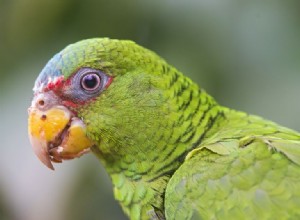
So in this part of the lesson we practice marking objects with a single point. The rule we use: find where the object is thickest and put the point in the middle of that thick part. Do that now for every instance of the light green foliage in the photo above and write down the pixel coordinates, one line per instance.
(172, 151)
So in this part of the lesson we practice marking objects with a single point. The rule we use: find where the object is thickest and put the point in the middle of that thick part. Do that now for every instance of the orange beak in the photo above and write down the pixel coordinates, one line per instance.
(56, 135)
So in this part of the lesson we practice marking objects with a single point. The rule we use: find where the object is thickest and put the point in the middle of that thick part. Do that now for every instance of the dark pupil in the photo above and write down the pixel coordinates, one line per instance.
(90, 81)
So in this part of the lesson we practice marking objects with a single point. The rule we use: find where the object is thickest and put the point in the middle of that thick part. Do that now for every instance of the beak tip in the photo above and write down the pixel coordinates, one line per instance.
(51, 167)
(48, 164)
(40, 150)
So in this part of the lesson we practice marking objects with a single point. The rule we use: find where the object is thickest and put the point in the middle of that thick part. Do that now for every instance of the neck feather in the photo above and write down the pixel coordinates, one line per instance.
(141, 156)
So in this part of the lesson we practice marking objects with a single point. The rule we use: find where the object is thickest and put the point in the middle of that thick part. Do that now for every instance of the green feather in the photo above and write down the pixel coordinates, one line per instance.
(173, 152)
(246, 170)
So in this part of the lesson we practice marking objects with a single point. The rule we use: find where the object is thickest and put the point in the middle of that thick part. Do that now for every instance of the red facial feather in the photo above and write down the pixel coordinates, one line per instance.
(110, 79)
(70, 104)
(59, 84)
(56, 84)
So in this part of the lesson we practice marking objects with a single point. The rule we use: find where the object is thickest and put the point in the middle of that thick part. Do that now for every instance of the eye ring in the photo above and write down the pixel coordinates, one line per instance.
(90, 82)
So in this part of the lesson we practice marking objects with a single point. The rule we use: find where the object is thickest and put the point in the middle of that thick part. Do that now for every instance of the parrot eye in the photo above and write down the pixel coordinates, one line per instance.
(90, 81)
(85, 84)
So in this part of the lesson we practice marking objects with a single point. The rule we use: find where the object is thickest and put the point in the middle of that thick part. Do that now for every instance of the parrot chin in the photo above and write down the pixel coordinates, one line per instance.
(56, 134)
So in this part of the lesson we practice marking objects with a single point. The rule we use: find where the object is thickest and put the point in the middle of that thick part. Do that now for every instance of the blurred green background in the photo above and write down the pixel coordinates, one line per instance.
(245, 53)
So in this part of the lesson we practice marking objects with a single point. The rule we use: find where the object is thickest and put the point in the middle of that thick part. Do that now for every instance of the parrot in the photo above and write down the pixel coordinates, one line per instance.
(170, 150)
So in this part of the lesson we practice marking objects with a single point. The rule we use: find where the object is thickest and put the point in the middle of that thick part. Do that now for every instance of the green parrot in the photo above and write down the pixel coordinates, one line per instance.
(171, 150)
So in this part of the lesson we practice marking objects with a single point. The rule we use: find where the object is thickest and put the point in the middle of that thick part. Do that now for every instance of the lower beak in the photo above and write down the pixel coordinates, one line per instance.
(55, 135)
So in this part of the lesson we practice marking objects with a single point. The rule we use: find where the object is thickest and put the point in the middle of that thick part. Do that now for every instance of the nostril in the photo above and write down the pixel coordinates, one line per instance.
(43, 117)
(41, 102)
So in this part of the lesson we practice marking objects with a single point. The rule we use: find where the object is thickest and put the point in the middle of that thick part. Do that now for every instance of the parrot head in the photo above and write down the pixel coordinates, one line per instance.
(100, 94)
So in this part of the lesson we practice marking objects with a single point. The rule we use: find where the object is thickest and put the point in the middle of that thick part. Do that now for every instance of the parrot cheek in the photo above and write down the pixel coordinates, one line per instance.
(55, 134)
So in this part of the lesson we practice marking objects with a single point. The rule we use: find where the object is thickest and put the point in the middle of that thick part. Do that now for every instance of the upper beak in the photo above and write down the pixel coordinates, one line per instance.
(55, 134)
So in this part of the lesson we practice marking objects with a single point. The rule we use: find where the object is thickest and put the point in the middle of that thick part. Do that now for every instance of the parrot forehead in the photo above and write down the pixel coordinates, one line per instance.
(90, 53)
(66, 62)
(111, 56)
(49, 73)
